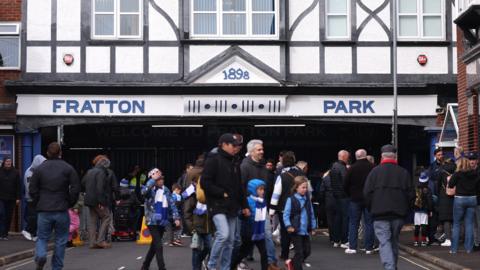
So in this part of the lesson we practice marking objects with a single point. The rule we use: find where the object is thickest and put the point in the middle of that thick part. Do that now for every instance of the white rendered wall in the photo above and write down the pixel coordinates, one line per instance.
(270, 55)
(75, 66)
(39, 19)
(437, 60)
(98, 60)
(163, 60)
(304, 60)
(309, 27)
(373, 60)
(129, 60)
(68, 19)
(39, 59)
(159, 28)
(200, 55)
(338, 60)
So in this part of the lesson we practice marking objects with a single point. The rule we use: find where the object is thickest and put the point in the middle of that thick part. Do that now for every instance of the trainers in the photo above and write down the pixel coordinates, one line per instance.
(415, 244)
(336, 245)
(289, 264)
(346, 245)
(27, 235)
(34, 239)
(369, 252)
(424, 244)
(350, 251)
(446, 243)
(243, 266)
(307, 265)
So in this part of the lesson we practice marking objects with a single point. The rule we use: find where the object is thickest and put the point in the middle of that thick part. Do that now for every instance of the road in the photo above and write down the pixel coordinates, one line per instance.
(128, 255)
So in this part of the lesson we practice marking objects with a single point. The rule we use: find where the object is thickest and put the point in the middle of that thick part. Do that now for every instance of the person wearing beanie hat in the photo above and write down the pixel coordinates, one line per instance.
(423, 209)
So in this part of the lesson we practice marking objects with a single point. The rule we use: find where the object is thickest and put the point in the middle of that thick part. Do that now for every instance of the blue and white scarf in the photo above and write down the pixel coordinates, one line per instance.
(259, 218)
(160, 217)
(200, 209)
(188, 191)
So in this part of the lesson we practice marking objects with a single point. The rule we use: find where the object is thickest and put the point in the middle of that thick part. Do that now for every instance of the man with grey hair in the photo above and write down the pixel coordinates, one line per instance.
(389, 196)
(337, 179)
(253, 167)
(354, 183)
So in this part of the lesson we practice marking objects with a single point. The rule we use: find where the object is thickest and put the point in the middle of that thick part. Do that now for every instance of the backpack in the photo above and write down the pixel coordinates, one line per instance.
(200, 193)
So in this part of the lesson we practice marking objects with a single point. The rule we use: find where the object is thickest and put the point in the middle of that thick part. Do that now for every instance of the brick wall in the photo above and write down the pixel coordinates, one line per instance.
(10, 10)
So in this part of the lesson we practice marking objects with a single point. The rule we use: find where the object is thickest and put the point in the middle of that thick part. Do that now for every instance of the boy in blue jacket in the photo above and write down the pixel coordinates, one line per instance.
(299, 221)
(253, 227)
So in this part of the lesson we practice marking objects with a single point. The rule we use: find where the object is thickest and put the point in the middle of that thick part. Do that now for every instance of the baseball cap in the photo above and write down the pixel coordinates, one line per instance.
(235, 139)
(388, 148)
(423, 177)
(472, 155)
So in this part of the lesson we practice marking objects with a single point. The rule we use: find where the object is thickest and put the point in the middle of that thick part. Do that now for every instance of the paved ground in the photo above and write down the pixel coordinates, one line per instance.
(128, 255)
(16, 243)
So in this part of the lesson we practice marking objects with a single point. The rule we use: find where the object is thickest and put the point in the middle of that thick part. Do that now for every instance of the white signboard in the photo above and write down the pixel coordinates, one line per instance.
(228, 105)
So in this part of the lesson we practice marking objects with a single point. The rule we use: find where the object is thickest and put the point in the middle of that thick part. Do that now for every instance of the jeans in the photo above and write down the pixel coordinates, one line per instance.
(341, 221)
(356, 211)
(477, 225)
(223, 245)
(59, 222)
(6, 211)
(269, 242)
(463, 210)
(156, 247)
(387, 232)
(302, 250)
(237, 242)
(198, 255)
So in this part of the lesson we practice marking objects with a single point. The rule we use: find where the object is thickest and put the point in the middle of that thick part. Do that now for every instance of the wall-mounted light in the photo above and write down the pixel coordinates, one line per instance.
(68, 59)
(422, 59)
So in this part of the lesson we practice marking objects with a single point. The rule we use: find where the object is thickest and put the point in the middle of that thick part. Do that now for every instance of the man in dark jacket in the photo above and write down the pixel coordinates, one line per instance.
(337, 180)
(225, 197)
(354, 183)
(389, 196)
(253, 167)
(99, 185)
(9, 195)
(54, 188)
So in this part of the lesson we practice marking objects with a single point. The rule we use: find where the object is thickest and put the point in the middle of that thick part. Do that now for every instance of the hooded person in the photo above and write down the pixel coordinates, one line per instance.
(253, 227)
(30, 232)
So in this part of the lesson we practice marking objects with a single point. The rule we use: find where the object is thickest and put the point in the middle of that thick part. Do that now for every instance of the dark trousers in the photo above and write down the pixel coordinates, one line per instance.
(302, 250)
(6, 212)
(246, 247)
(198, 255)
(341, 221)
(330, 209)
(156, 247)
(284, 238)
(423, 229)
(31, 219)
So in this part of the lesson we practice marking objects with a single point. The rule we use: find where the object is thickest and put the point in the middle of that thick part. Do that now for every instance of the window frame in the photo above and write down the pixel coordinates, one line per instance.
(349, 22)
(116, 22)
(249, 25)
(16, 33)
(420, 23)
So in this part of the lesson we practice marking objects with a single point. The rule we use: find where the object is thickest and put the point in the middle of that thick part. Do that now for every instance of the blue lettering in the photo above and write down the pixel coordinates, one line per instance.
(341, 106)
(140, 105)
(328, 105)
(124, 106)
(355, 105)
(87, 106)
(111, 103)
(72, 105)
(57, 104)
(97, 105)
(367, 105)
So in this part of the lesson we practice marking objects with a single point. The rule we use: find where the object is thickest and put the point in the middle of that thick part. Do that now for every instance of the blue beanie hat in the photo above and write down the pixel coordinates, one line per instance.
(124, 183)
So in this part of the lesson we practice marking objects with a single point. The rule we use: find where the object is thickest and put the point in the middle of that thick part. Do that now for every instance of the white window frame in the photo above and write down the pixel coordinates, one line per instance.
(116, 22)
(13, 34)
(249, 18)
(420, 15)
(349, 22)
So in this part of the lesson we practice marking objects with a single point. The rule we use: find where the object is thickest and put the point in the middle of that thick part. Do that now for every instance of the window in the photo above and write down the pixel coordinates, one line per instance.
(338, 21)
(9, 45)
(117, 19)
(421, 19)
(235, 18)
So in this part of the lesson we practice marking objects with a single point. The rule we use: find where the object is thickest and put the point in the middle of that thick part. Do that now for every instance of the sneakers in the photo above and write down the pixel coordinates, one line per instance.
(446, 243)
(289, 264)
(416, 244)
(346, 245)
(34, 239)
(27, 235)
(243, 266)
(369, 252)
(424, 244)
(336, 245)
(350, 251)
(307, 265)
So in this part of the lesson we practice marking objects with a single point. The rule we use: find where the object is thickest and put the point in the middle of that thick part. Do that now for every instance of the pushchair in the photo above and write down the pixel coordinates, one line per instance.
(123, 218)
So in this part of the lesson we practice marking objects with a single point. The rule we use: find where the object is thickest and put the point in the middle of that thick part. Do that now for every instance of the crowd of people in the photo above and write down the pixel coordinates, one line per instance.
(229, 205)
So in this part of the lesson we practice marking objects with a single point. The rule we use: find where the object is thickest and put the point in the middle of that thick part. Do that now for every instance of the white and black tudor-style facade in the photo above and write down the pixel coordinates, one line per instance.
(105, 74)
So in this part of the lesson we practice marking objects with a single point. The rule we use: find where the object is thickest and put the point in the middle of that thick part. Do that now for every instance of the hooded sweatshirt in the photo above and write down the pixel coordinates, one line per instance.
(37, 160)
